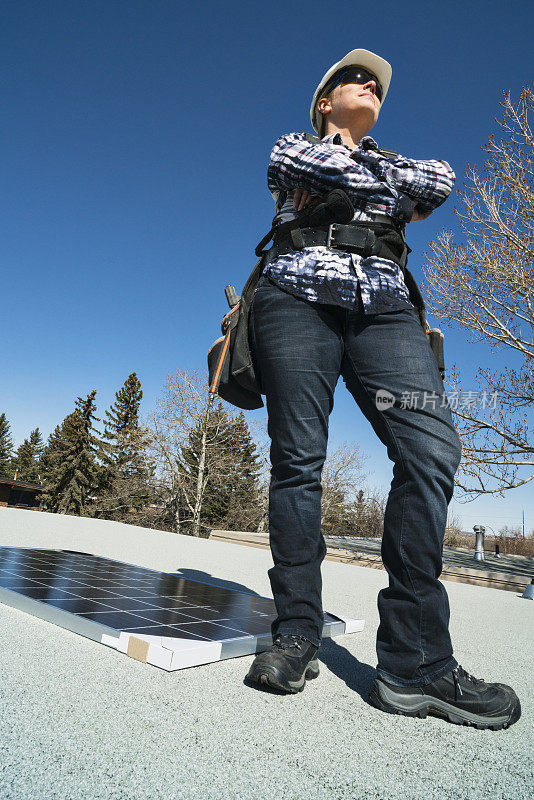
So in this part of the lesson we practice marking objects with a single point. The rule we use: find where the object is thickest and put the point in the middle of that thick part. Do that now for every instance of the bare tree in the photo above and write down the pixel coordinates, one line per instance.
(182, 409)
(453, 531)
(509, 537)
(341, 477)
(487, 286)
(375, 509)
(186, 423)
(263, 445)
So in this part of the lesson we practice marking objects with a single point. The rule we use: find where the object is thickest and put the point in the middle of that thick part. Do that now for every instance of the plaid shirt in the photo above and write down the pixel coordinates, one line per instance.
(378, 188)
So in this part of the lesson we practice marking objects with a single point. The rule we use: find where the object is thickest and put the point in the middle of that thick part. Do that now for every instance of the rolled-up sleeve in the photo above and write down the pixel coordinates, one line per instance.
(296, 163)
(429, 183)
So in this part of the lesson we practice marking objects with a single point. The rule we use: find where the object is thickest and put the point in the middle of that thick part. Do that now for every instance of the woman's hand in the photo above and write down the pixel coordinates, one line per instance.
(419, 216)
(302, 198)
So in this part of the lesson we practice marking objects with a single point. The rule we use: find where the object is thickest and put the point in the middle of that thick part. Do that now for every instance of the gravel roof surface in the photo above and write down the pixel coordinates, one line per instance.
(80, 720)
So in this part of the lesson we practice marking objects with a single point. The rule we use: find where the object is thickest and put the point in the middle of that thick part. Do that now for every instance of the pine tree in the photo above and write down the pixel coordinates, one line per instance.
(69, 461)
(123, 416)
(334, 511)
(360, 513)
(197, 496)
(21, 460)
(51, 457)
(243, 488)
(37, 444)
(125, 479)
(25, 463)
(6, 448)
(230, 497)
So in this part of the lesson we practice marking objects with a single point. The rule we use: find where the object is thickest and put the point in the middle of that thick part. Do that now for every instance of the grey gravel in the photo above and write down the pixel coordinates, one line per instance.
(79, 720)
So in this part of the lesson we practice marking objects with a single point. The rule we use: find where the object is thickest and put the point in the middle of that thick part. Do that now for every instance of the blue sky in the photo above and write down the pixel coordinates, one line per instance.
(135, 139)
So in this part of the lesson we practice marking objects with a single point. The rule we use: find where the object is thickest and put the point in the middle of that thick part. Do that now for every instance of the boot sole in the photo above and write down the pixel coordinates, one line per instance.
(273, 678)
(383, 698)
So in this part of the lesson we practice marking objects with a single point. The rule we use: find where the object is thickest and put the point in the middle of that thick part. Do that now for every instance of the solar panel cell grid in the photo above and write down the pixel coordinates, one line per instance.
(87, 594)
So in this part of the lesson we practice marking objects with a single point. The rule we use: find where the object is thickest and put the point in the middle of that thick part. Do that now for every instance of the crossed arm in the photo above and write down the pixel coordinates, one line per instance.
(302, 198)
(309, 170)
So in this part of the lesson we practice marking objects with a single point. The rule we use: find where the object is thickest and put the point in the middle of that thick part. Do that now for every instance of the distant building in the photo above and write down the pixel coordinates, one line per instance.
(20, 494)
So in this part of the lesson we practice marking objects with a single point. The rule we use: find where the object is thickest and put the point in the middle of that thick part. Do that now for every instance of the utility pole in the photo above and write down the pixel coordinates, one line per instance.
(523, 523)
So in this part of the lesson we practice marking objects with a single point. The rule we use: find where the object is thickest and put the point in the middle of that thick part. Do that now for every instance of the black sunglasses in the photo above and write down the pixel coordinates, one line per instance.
(354, 75)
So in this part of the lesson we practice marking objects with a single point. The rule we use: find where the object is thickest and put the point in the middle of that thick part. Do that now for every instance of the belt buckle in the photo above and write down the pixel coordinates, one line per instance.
(330, 232)
(367, 247)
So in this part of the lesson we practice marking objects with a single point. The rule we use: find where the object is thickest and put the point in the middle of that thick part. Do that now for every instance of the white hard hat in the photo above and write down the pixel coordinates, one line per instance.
(360, 58)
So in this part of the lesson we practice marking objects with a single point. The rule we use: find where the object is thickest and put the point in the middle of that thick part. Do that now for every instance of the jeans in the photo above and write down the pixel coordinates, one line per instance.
(299, 349)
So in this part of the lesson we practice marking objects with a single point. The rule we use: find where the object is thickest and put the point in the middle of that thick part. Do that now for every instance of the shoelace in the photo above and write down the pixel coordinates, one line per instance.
(459, 672)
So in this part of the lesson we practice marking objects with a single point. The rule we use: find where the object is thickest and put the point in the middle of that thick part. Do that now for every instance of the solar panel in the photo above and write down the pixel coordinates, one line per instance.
(157, 617)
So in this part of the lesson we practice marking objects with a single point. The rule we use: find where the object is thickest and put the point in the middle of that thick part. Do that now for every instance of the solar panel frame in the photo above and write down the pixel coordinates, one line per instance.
(188, 630)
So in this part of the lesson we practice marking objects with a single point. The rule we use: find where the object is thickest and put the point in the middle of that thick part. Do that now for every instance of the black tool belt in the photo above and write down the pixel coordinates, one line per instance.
(364, 238)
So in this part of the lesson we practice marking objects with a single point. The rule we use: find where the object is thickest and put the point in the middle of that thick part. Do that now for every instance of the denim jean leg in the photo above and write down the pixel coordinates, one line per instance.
(297, 347)
(390, 352)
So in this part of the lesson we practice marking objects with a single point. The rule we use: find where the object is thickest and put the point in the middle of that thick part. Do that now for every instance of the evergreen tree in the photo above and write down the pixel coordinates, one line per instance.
(125, 478)
(231, 496)
(21, 460)
(360, 514)
(25, 462)
(243, 488)
(6, 448)
(123, 417)
(198, 489)
(50, 460)
(334, 511)
(37, 445)
(69, 461)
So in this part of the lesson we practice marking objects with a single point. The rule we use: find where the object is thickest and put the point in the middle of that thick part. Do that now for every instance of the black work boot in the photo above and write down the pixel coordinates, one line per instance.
(457, 696)
(286, 665)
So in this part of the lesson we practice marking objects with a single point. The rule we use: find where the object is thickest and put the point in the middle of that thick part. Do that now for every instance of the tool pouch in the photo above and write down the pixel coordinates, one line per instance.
(435, 339)
(230, 368)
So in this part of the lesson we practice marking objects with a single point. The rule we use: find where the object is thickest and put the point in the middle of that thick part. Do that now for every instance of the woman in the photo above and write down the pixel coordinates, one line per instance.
(320, 311)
